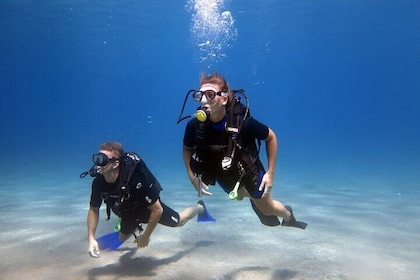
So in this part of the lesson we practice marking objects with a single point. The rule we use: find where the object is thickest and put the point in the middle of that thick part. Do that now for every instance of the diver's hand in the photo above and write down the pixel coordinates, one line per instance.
(266, 184)
(142, 241)
(94, 249)
(204, 187)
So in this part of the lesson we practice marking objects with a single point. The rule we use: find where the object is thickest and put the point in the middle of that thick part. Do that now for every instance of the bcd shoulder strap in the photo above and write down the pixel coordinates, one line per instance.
(237, 113)
(128, 163)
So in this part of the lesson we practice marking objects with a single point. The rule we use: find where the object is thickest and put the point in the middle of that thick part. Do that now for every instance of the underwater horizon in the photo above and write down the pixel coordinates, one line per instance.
(337, 81)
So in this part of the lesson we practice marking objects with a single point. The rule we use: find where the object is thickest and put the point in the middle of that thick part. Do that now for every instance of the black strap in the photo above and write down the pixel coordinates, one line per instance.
(236, 118)
(231, 128)
(108, 212)
(128, 165)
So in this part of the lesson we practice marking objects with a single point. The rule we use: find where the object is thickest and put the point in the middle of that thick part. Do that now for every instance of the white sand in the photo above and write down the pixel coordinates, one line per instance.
(351, 235)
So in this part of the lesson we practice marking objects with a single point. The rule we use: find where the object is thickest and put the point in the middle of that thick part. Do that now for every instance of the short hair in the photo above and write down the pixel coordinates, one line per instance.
(113, 147)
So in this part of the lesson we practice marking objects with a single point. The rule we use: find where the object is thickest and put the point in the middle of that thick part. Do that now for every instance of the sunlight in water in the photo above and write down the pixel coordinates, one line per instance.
(212, 28)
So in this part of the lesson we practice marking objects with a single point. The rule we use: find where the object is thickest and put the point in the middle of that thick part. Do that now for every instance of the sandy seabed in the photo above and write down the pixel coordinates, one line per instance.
(350, 235)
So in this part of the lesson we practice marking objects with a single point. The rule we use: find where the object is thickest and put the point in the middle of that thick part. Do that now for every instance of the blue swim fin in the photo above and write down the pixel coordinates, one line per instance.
(109, 241)
(205, 216)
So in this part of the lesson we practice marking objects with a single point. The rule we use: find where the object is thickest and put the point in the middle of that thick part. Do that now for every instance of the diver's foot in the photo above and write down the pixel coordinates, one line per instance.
(200, 204)
(204, 215)
(292, 220)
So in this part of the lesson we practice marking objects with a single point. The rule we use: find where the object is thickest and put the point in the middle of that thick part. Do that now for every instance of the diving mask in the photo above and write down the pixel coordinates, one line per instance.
(101, 159)
(210, 94)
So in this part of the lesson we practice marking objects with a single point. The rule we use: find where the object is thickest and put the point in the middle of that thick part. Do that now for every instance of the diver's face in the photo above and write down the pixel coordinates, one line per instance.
(112, 164)
(216, 105)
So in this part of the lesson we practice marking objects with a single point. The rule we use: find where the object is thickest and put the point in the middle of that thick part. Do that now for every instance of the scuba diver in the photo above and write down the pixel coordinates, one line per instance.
(129, 189)
(221, 144)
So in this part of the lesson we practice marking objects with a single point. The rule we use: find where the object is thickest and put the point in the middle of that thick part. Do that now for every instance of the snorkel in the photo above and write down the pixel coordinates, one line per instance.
(99, 159)
(201, 115)
(93, 171)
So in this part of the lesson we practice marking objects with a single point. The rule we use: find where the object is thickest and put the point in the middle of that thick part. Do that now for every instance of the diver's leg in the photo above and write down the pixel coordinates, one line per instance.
(128, 226)
(189, 213)
(123, 237)
(242, 192)
(270, 207)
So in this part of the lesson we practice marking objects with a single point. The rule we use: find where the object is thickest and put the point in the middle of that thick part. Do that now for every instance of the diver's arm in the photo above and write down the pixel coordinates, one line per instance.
(156, 211)
(92, 223)
(271, 148)
(187, 152)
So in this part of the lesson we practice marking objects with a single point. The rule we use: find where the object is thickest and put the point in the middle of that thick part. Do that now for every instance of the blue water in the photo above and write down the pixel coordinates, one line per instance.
(336, 80)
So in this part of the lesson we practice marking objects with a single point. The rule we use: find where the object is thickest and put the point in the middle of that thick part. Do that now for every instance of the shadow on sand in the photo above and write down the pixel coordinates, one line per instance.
(140, 266)
(131, 266)
(252, 271)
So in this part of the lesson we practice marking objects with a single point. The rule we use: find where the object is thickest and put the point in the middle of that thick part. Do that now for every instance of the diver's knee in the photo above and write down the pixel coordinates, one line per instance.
(123, 237)
(182, 222)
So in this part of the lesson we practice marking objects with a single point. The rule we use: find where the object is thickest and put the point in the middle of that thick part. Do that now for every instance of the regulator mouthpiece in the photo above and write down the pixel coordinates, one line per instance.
(201, 115)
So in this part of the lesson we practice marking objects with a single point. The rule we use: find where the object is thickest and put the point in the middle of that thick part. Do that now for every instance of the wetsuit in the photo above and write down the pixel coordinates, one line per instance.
(210, 140)
(144, 191)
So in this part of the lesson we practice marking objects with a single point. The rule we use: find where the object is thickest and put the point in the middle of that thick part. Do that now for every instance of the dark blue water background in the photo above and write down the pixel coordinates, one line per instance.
(338, 81)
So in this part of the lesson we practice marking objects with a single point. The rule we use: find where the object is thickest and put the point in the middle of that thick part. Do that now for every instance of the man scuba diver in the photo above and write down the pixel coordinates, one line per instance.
(126, 185)
(223, 147)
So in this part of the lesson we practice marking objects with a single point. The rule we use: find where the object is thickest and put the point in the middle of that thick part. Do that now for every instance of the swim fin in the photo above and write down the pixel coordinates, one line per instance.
(204, 216)
(270, 221)
(109, 241)
(292, 222)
